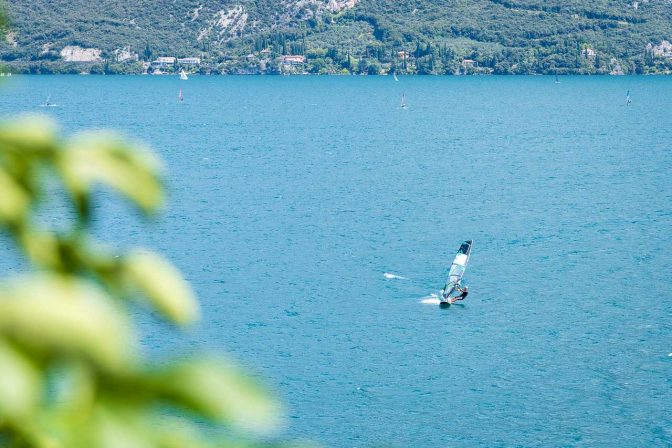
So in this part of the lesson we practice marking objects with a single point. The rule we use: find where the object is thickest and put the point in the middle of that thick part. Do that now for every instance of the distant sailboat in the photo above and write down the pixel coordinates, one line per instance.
(48, 103)
(628, 101)
(403, 102)
(395, 77)
(557, 80)
(181, 97)
(183, 76)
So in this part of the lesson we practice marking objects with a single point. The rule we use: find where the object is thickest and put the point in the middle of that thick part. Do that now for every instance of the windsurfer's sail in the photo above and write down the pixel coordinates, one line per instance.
(457, 268)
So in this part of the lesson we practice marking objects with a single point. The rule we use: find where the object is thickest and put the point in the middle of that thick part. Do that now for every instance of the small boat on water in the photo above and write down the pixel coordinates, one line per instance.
(183, 75)
(395, 77)
(181, 97)
(403, 101)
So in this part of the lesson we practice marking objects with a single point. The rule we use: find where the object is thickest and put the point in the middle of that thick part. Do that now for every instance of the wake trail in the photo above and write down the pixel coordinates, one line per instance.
(432, 299)
(390, 276)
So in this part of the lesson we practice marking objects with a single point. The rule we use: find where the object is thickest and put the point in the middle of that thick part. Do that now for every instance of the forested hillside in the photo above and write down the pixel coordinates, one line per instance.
(341, 36)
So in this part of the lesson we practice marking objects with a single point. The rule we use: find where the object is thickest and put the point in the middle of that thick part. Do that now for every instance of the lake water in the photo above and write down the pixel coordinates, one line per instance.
(291, 197)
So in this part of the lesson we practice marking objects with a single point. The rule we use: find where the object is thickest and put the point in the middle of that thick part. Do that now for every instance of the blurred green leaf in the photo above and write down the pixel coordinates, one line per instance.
(115, 426)
(72, 391)
(163, 285)
(41, 248)
(58, 315)
(20, 384)
(101, 157)
(31, 134)
(221, 392)
(174, 432)
(15, 201)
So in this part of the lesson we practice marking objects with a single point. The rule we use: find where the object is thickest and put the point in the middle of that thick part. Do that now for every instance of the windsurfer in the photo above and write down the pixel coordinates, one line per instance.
(453, 284)
(464, 291)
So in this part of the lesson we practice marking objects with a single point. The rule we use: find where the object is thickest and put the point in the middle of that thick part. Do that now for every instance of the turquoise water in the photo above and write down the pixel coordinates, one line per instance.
(291, 197)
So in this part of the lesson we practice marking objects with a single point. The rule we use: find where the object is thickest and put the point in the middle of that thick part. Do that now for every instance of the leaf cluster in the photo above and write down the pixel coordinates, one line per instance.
(71, 374)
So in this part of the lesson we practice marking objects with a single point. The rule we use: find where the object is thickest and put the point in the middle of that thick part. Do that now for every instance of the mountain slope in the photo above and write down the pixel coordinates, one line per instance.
(416, 36)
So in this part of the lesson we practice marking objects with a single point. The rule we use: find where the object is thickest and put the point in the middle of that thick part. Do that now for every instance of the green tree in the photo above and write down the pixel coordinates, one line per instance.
(362, 66)
(147, 53)
(374, 68)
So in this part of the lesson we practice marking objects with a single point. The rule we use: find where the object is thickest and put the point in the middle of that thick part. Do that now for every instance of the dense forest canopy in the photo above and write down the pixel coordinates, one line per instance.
(342, 36)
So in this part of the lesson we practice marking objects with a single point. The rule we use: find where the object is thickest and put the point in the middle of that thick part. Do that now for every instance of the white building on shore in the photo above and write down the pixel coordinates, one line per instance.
(189, 61)
(163, 62)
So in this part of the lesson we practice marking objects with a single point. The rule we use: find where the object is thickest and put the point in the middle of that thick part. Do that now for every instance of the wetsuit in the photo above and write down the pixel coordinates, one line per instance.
(460, 297)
